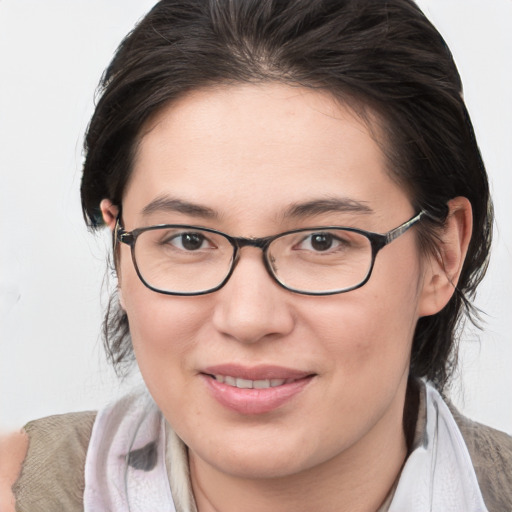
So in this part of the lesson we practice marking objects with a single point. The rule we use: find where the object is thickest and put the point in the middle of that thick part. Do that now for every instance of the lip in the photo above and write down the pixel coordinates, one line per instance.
(255, 401)
(260, 372)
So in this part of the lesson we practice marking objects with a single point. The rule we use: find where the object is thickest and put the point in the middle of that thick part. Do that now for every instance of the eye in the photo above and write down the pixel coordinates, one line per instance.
(189, 241)
(320, 242)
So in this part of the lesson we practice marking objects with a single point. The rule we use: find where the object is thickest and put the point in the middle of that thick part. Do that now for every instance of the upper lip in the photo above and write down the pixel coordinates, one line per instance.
(260, 372)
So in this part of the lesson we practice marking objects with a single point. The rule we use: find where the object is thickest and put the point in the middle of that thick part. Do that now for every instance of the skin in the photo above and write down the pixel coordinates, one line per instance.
(13, 448)
(255, 151)
(248, 153)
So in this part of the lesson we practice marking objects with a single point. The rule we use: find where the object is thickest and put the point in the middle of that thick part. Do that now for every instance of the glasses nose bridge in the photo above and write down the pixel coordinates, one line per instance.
(260, 243)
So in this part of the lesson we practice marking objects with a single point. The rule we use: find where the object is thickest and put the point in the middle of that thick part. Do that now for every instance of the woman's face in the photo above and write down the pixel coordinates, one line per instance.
(249, 157)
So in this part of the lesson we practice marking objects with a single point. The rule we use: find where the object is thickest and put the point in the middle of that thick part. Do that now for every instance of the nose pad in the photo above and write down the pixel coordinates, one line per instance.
(251, 305)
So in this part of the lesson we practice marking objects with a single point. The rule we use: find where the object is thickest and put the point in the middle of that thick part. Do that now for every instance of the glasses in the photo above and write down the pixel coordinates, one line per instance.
(177, 259)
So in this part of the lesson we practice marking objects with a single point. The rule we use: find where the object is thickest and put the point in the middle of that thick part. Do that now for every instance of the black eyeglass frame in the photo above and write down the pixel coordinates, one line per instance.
(377, 242)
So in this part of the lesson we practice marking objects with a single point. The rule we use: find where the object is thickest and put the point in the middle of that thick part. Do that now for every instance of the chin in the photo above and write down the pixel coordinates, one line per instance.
(268, 455)
(260, 466)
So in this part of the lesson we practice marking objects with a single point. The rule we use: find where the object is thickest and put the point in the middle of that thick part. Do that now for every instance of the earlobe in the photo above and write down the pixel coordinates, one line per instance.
(109, 211)
(442, 270)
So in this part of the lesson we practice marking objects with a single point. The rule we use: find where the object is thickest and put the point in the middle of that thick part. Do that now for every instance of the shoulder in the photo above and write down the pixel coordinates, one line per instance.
(491, 454)
(13, 449)
(52, 471)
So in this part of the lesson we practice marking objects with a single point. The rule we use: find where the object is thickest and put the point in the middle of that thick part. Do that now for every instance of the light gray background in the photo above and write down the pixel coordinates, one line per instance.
(52, 53)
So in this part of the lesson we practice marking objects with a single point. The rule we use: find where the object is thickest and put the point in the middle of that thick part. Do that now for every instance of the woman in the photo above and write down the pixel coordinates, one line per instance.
(292, 189)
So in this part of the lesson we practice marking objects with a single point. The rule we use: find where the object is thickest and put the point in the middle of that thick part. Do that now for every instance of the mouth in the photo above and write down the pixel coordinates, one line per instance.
(258, 390)
(241, 383)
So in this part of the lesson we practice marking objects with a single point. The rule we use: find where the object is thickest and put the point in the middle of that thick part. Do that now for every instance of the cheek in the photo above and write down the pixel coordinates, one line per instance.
(165, 331)
(364, 339)
(368, 332)
(163, 325)
(164, 328)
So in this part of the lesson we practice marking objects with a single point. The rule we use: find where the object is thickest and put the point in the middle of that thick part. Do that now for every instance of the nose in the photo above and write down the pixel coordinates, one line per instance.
(252, 306)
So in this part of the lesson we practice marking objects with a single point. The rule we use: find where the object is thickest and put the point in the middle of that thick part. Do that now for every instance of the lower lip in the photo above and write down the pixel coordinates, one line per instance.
(254, 401)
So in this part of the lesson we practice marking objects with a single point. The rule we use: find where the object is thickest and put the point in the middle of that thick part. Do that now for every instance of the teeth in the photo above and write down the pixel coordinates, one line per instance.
(244, 383)
(230, 380)
(261, 384)
(251, 384)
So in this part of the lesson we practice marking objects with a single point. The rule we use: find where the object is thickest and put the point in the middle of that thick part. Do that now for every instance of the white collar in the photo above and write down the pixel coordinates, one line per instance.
(438, 475)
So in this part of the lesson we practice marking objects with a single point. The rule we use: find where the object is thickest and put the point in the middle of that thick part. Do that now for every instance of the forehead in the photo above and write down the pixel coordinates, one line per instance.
(250, 149)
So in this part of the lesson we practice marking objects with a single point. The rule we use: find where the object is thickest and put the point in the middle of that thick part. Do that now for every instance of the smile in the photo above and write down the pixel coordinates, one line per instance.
(256, 390)
(251, 384)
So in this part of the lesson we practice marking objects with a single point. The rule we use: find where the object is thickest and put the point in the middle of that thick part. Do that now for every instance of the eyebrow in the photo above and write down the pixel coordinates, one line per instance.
(170, 204)
(296, 210)
(327, 205)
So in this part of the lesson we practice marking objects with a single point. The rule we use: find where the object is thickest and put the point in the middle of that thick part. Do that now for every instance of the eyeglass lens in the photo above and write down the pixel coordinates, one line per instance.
(178, 260)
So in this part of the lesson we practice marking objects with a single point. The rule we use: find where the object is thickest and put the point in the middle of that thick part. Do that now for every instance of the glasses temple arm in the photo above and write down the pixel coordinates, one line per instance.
(400, 230)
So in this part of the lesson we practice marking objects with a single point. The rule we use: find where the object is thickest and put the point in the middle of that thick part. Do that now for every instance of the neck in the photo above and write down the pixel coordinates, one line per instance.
(357, 480)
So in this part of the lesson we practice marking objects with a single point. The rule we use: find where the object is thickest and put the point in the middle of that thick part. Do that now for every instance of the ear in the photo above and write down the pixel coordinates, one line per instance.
(442, 270)
(109, 212)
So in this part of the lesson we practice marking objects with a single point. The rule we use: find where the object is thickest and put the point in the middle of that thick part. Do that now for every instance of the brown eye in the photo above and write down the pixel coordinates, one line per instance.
(188, 241)
(321, 241)
(192, 241)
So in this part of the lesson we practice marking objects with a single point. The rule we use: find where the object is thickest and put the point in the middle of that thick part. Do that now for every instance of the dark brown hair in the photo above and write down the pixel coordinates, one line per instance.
(383, 54)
